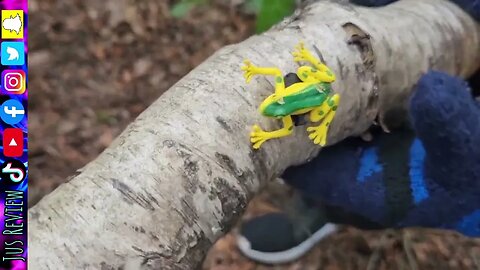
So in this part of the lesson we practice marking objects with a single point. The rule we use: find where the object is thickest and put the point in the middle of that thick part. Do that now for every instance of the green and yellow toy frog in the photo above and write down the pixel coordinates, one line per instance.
(310, 93)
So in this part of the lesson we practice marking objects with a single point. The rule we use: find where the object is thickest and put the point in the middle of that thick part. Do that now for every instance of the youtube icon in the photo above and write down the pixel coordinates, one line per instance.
(13, 142)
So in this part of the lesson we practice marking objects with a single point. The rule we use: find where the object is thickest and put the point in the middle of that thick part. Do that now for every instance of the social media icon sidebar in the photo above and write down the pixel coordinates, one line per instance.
(13, 130)
(13, 81)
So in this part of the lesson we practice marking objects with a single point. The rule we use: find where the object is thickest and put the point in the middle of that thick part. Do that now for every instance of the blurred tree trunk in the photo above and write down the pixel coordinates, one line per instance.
(180, 175)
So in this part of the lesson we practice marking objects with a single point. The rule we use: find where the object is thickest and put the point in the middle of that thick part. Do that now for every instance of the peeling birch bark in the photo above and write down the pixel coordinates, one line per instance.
(182, 173)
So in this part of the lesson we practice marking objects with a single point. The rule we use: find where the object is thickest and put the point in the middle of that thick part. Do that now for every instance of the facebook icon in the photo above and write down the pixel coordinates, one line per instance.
(12, 112)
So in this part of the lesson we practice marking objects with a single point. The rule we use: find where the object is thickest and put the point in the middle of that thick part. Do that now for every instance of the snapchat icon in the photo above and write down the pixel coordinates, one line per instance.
(12, 24)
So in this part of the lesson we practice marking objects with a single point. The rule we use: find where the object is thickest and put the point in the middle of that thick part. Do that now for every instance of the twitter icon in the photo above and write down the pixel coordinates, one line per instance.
(13, 53)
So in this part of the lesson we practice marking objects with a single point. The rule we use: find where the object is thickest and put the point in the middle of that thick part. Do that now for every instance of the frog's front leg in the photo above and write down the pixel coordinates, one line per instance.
(250, 70)
(303, 54)
(325, 112)
(258, 136)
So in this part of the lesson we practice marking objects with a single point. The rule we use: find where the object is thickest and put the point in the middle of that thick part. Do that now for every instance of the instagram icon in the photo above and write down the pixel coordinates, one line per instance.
(13, 81)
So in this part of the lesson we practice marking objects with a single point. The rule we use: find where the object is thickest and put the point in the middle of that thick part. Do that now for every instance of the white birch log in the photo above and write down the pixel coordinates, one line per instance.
(180, 174)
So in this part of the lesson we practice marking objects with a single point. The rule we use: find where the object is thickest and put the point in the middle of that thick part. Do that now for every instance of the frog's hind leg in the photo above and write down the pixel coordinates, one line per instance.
(258, 136)
(325, 112)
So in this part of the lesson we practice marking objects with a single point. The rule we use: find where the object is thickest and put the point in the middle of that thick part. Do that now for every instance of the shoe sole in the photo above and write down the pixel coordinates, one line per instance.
(286, 255)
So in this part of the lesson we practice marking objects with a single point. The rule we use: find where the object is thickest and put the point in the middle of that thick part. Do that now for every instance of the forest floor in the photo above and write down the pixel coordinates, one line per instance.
(95, 65)
(350, 248)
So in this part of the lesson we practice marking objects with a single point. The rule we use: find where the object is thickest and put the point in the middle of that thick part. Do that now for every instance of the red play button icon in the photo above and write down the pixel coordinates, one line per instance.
(13, 142)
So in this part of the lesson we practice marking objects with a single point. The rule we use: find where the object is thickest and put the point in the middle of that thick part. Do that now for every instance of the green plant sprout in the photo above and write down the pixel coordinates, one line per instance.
(268, 12)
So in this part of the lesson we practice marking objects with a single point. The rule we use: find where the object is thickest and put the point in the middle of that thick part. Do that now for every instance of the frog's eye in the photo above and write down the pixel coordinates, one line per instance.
(304, 75)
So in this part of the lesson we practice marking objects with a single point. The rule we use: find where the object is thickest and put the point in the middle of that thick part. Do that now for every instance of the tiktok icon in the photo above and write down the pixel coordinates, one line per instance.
(13, 172)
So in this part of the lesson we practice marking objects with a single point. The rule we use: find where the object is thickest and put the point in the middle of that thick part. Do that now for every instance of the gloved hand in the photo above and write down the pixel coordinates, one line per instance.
(400, 180)
(470, 6)
(430, 179)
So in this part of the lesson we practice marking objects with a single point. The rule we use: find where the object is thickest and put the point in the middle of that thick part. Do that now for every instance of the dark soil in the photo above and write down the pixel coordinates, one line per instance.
(414, 249)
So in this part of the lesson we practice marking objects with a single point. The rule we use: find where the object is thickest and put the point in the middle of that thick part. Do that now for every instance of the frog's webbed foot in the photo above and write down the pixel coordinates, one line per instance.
(318, 134)
(302, 54)
(259, 136)
(249, 70)
(326, 112)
